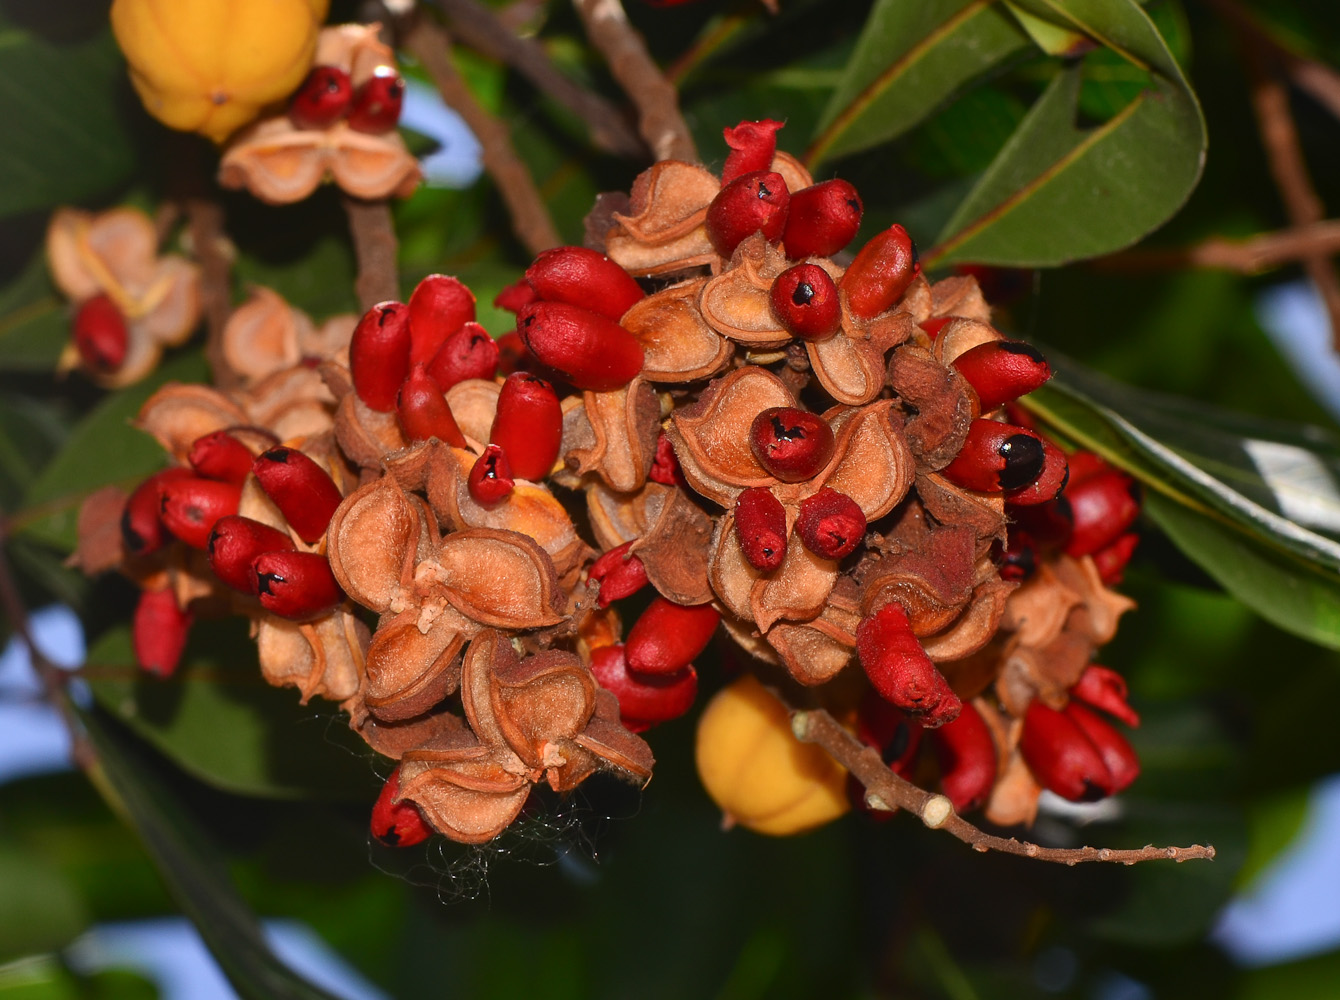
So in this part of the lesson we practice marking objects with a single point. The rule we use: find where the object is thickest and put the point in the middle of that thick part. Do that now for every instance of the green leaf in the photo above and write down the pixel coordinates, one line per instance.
(1052, 38)
(33, 324)
(42, 977)
(188, 863)
(911, 58)
(221, 722)
(40, 909)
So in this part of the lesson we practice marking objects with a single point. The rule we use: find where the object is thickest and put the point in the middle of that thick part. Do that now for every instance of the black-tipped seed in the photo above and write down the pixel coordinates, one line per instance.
(1024, 458)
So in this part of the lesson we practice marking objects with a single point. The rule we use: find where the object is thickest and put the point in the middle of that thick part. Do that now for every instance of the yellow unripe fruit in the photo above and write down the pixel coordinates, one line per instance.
(210, 66)
(758, 772)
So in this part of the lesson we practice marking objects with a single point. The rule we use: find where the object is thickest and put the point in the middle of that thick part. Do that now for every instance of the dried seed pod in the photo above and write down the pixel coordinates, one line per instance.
(302, 490)
(792, 444)
(528, 425)
(1105, 689)
(1061, 757)
(1050, 482)
(1117, 754)
(760, 525)
(379, 354)
(996, 457)
(423, 410)
(805, 301)
(755, 202)
(190, 506)
(235, 543)
(644, 699)
(377, 102)
(590, 350)
(100, 335)
(468, 353)
(822, 219)
(397, 822)
(158, 632)
(830, 524)
(490, 481)
(881, 272)
(669, 636)
(439, 306)
(295, 585)
(752, 147)
(1104, 505)
(967, 757)
(619, 573)
(322, 100)
(585, 278)
(220, 455)
(900, 670)
(142, 528)
(1001, 371)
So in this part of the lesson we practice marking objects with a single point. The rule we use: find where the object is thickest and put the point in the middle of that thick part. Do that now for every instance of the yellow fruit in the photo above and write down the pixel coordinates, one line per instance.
(758, 772)
(209, 66)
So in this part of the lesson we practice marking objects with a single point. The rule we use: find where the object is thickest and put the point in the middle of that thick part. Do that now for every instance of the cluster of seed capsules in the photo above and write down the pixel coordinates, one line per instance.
(816, 459)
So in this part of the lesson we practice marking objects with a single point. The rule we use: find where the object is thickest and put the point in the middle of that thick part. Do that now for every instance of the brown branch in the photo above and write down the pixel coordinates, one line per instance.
(431, 45)
(655, 97)
(212, 249)
(374, 249)
(886, 790)
(1255, 255)
(481, 29)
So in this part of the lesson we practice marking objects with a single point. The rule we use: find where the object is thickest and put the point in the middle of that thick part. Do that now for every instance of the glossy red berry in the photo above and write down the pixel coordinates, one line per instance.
(516, 296)
(528, 425)
(1104, 505)
(468, 353)
(619, 573)
(377, 102)
(669, 636)
(1117, 754)
(752, 147)
(423, 411)
(100, 335)
(996, 457)
(881, 272)
(585, 278)
(752, 203)
(1049, 483)
(805, 302)
(235, 543)
(379, 355)
(158, 632)
(591, 351)
(438, 307)
(644, 699)
(760, 526)
(301, 489)
(831, 524)
(1002, 370)
(1112, 559)
(793, 445)
(1105, 689)
(295, 585)
(323, 99)
(822, 219)
(397, 824)
(967, 757)
(220, 455)
(891, 731)
(900, 670)
(142, 528)
(490, 481)
(190, 507)
(513, 355)
(1062, 758)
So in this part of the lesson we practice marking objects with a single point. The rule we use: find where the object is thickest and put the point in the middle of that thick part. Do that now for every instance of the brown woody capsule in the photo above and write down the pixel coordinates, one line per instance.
(438, 307)
(967, 757)
(760, 526)
(220, 456)
(158, 632)
(100, 335)
(752, 147)
(619, 574)
(1062, 758)
(668, 637)
(755, 202)
(397, 824)
(822, 219)
(830, 524)
(302, 490)
(235, 543)
(295, 585)
(528, 425)
(881, 272)
(644, 699)
(423, 410)
(379, 354)
(585, 278)
(590, 350)
(1001, 371)
(468, 353)
(190, 507)
(490, 481)
(901, 671)
(1105, 689)
(142, 528)
(805, 302)
(793, 445)
(997, 456)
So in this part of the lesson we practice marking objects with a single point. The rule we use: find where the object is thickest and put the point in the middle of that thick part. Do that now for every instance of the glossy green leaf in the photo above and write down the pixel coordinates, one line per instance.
(1050, 37)
(221, 722)
(1059, 191)
(188, 863)
(33, 324)
(40, 909)
(911, 58)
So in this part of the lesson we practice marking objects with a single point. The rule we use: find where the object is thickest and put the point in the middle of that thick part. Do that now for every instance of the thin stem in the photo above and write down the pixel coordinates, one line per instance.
(1254, 255)
(204, 214)
(375, 250)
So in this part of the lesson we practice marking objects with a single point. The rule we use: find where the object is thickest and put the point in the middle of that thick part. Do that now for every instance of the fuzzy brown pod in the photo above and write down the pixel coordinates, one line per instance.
(291, 402)
(474, 404)
(178, 414)
(101, 544)
(961, 335)
(1014, 798)
(674, 550)
(951, 504)
(265, 335)
(677, 343)
(365, 435)
(737, 303)
(617, 438)
(940, 402)
(933, 581)
(959, 295)
(851, 365)
(979, 621)
(324, 657)
(663, 230)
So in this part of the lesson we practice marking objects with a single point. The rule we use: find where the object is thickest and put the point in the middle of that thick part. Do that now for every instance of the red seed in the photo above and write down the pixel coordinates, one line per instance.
(751, 203)
(397, 824)
(901, 671)
(669, 636)
(158, 632)
(379, 354)
(423, 411)
(1062, 758)
(490, 481)
(619, 574)
(1048, 525)
(1084, 465)
(665, 466)
(793, 445)
(760, 526)
(997, 456)
(1104, 506)
(805, 302)
(967, 757)
(881, 272)
(100, 335)
(1105, 689)
(220, 456)
(1050, 482)
(323, 99)
(1017, 559)
(752, 147)
(516, 296)
(935, 324)
(438, 307)
(301, 489)
(235, 543)
(590, 350)
(468, 353)
(377, 102)
(822, 219)
(1001, 371)
(528, 425)
(1117, 754)
(888, 729)
(584, 278)
(646, 698)
(1112, 560)
(190, 507)
(830, 524)
(513, 355)
(142, 528)
(295, 585)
